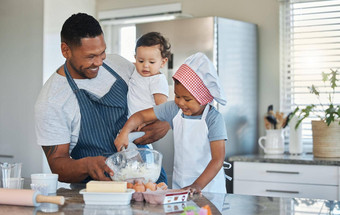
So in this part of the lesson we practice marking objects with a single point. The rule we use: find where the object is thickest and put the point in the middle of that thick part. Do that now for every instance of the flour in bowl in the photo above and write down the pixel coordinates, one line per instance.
(150, 172)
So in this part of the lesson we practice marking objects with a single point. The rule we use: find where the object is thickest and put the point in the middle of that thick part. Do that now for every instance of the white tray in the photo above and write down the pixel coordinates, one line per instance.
(101, 198)
(166, 196)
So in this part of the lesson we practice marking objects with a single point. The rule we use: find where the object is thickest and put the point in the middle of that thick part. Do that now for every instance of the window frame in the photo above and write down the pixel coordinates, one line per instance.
(289, 44)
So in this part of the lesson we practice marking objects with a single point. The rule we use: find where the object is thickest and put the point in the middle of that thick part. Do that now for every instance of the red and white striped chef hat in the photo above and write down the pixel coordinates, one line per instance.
(199, 76)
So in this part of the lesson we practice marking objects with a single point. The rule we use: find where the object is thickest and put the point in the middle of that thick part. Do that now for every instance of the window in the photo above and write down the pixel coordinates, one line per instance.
(309, 45)
(120, 39)
(127, 42)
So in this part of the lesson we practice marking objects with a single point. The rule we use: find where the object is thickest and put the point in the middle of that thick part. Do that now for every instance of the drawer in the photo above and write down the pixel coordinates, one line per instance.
(285, 190)
(288, 173)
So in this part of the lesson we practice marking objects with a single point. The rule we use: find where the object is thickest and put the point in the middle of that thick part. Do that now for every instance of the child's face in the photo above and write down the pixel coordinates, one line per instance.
(184, 100)
(149, 60)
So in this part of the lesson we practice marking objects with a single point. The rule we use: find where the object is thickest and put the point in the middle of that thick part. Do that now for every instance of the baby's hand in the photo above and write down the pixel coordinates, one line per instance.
(141, 126)
(121, 141)
(194, 188)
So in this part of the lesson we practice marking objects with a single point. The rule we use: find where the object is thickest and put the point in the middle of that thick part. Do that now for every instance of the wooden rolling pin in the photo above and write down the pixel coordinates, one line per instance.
(27, 197)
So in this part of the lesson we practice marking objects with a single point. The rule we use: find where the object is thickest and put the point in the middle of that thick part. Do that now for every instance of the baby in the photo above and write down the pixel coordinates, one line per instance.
(148, 86)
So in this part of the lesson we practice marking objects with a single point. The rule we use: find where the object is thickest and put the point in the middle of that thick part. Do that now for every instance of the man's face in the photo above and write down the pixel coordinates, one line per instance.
(84, 61)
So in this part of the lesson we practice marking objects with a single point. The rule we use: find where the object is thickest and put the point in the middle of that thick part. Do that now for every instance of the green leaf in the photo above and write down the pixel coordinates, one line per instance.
(304, 113)
(333, 78)
(295, 111)
(324, 76)
(313, 90)
(329, 120)
(309, 108)
(330, 114)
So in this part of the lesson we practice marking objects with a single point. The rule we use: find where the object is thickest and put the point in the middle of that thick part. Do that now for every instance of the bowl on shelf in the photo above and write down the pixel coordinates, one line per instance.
(139, 163)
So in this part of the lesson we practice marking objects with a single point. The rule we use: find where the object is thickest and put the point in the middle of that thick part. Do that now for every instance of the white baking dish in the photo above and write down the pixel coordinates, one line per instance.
(101, 198)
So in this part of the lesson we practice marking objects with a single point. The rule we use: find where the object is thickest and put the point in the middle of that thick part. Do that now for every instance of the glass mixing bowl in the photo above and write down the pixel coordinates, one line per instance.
(140, 163)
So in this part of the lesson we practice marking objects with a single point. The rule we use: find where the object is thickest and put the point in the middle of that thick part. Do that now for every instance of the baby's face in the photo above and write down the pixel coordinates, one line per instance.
(149, 60)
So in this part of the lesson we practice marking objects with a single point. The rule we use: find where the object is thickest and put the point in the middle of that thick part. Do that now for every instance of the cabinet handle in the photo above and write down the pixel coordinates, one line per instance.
(6, 156)
(283, 191)
(282, 172)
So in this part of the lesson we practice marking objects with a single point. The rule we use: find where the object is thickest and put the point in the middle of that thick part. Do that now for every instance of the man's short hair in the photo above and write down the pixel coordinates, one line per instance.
(78, 26)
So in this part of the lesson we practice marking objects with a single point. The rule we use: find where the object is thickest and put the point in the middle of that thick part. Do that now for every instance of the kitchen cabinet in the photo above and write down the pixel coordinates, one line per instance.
(287, 180)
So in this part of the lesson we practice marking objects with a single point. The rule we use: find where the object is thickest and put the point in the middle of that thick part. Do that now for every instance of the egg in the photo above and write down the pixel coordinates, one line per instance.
(162, 185)
(151, 186)
(139, 187)
(129, 185)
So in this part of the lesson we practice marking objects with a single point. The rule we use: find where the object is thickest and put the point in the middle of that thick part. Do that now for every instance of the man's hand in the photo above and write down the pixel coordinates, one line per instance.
(153, 132)
(96, 167)
(74, 171)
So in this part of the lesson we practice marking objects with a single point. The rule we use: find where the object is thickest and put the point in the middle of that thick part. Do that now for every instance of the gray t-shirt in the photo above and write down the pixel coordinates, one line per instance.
(57, 113)
(215, 122)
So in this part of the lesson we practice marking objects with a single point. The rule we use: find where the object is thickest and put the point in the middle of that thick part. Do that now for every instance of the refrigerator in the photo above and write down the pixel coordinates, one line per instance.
(232, 46)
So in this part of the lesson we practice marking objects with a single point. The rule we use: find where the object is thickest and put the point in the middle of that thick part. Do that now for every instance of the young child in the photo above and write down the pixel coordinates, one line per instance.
(148, 86)
(199, 129)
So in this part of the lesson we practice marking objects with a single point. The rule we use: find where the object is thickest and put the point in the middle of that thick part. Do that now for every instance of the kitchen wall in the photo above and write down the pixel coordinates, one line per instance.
(264, 13)
(21, 59)
(55, 14)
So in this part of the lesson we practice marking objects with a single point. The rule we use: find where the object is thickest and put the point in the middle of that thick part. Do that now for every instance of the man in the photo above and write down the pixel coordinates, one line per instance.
(83, 105)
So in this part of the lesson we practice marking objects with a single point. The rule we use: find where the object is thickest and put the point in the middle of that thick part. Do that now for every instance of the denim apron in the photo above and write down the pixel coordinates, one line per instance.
(101, 119)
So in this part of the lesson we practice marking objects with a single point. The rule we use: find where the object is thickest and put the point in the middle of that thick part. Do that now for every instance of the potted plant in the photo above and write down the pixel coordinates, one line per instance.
(326, 130)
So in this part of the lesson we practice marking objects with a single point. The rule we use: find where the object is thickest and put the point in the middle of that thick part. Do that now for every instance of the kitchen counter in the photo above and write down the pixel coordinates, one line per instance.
(304, 158)
(289, 176)
(230, 204)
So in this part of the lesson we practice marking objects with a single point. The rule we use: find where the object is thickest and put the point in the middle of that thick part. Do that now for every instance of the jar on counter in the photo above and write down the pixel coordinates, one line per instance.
(295, 137)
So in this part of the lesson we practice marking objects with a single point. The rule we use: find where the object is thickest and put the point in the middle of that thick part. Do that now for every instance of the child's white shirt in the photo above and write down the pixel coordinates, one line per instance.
(142, 89)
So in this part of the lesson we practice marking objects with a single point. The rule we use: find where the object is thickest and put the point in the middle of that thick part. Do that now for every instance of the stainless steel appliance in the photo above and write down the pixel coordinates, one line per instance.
(232, 46)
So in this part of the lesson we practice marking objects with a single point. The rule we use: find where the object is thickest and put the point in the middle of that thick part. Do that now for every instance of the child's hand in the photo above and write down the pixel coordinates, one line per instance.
(194, 188)
(141, 126)
(121, 141)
